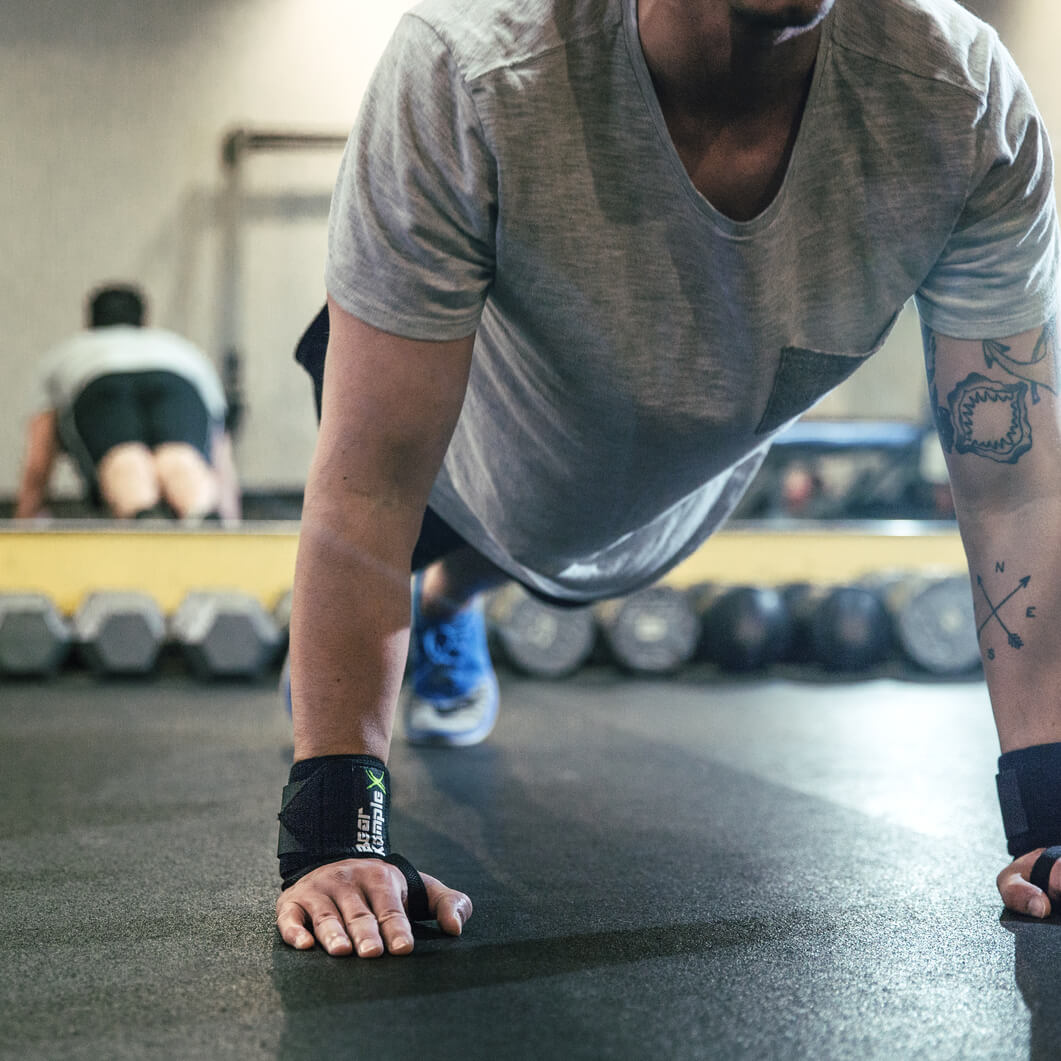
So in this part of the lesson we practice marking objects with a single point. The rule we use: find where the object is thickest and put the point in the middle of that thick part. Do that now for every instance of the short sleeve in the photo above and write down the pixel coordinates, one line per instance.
(998, 274)
(48, 392)
(41, 400)
(411, 230)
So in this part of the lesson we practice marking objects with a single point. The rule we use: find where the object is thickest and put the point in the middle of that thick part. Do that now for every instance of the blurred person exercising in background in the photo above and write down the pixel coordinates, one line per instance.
(140, 410)
(586, 259)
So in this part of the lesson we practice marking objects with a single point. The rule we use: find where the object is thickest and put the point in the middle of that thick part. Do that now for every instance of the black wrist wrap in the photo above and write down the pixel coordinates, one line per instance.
(1029, 793)
(336, 807)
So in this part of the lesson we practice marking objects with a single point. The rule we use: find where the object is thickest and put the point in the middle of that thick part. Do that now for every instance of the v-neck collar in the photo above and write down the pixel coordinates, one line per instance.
(722, 221)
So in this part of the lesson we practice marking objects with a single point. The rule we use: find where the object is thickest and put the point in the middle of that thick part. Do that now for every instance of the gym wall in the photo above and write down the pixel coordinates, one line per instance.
(112, 129)
(112, 133)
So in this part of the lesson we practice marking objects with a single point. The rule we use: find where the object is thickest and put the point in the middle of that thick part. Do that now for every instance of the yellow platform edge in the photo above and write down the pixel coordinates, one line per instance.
(68, 562)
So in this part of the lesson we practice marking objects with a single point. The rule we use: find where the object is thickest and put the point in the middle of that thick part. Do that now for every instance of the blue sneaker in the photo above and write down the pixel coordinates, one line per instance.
(451, 694)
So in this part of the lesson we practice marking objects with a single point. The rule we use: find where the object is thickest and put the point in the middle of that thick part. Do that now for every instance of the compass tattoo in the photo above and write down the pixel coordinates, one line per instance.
(1003, 617)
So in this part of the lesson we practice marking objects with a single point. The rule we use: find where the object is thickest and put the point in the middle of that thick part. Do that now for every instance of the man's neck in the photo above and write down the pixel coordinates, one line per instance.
(709, 60)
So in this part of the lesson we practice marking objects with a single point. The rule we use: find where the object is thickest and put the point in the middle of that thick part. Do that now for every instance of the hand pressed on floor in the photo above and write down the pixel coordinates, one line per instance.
(1023, 897)
(358, 906)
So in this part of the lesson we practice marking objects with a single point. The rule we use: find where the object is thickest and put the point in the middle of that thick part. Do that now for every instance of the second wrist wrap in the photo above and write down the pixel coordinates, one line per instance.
(1029, 794)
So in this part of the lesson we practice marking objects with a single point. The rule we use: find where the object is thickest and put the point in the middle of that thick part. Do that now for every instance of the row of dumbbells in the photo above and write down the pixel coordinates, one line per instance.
(218, 634)
(924, 621)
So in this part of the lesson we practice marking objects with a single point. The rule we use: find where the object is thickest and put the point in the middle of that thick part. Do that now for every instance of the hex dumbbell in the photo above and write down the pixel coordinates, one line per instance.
(119, 632)
(34, 637)
(225, 634)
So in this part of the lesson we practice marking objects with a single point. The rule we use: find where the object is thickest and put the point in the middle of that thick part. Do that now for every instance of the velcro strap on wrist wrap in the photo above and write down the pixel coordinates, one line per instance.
(416, 903)
(1029, 794)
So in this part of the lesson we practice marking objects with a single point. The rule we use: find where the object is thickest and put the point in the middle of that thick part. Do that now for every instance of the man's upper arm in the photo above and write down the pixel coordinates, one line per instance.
(390, 405)
(995, 406)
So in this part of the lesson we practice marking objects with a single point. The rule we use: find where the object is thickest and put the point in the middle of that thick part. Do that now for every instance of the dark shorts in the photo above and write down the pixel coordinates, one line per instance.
(437, 537)
(148, 407)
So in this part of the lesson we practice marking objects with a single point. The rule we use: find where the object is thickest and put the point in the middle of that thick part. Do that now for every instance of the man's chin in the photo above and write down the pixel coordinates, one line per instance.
(777, 16)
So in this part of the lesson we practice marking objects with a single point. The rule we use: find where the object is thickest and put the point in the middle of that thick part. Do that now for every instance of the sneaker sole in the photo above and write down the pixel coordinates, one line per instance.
(443, 736)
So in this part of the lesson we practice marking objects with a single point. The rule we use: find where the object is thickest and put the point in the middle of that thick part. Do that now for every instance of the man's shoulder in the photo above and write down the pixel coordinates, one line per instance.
(937, 40)
(65, 352)
(165, 340)
(487, 35)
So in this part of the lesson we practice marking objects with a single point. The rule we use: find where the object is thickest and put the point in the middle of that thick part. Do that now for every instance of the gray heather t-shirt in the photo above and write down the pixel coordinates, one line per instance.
(511, 173)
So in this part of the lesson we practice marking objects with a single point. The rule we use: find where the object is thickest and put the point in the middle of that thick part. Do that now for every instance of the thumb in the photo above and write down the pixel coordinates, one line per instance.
(450, 907)
(1018, 893)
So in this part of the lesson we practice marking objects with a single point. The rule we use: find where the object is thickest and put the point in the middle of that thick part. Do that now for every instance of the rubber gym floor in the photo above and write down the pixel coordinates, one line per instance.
(679, 868)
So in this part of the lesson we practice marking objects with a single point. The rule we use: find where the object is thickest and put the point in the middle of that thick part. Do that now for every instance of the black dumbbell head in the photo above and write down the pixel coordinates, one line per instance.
(538, 638)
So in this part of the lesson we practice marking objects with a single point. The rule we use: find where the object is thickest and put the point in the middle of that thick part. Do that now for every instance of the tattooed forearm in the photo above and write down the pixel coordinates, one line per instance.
(997, 621)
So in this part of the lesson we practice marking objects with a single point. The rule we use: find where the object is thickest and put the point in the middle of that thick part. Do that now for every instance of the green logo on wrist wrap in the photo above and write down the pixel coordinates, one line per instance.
(371, 820)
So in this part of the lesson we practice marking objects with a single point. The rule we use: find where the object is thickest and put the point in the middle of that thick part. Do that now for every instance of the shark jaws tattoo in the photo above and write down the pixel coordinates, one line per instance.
(988, 417)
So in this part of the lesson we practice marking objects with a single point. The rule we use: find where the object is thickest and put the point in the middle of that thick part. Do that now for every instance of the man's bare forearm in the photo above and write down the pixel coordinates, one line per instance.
(995, 404)
(31, 499)
(41, 449)
(1015, 570)
(390, 405)
(349, 628)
